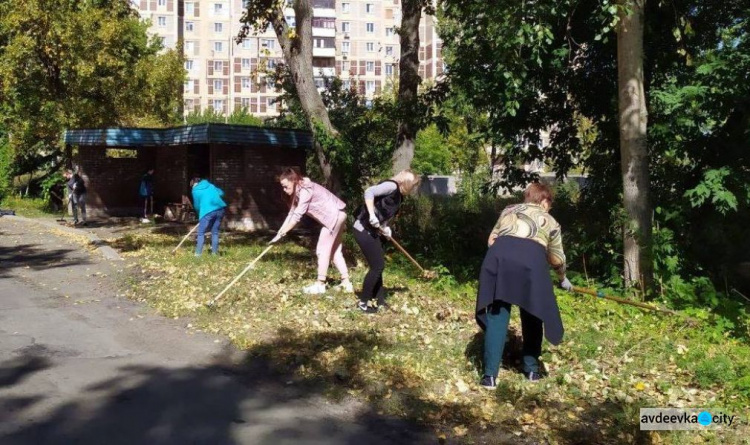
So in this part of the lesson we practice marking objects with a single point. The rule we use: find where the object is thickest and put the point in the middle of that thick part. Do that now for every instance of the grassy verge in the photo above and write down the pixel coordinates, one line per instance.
(421, 360)
(29, 207)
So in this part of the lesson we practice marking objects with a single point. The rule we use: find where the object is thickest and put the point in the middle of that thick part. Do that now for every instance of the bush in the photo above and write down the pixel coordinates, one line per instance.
(6, 159)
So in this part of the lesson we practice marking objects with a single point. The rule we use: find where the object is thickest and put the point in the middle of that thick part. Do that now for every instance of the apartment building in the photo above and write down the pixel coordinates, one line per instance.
(353, 39)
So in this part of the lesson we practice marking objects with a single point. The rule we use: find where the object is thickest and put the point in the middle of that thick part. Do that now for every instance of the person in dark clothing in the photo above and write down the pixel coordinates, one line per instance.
(382, 203)
(146, 191)
(525, 241)
(77, 192)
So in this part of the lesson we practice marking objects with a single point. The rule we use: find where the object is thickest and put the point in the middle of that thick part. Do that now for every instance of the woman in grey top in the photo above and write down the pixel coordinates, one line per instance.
(382, 202)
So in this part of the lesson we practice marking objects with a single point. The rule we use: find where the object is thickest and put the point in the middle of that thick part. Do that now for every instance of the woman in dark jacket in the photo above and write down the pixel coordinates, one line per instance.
(523, 244)
(382, 202)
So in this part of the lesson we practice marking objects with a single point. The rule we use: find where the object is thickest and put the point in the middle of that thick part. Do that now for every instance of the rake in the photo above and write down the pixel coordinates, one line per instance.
(184, 238)
(428, 274)
(244, 271)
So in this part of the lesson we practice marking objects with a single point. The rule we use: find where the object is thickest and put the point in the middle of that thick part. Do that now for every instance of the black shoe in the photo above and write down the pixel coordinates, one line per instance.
(532, 376)
(366, 308)
(488, 382)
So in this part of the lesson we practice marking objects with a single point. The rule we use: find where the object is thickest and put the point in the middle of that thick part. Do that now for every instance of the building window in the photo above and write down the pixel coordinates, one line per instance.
(189, 26)
(370, 47)
(369, 8)
(345, 66)
(271, 101)
(370, 28)
(219, 8)
(190, 8)
(218, 104)
(218, 85)
(189, 47)
(269, 44)
(370, 86)
(345, 47)
(162, 22)
(219, 47)
(218, 65)
(346, 26)
(388, 69)
(218, 27)
(370, 67)
(291, 21)
(189, 65)
(245, 64)
(347, 84)
(271, 64)
(389, 32)
(245, 102)
(245, 83)
(247, 44)
(189, 85)
(388, 50)
(162, 2)
(345, 8)
(319, 83)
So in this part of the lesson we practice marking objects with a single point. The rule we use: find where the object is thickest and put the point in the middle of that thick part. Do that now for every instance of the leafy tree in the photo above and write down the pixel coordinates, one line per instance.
(297, 45)
(209, 115)
(363, 149)
(79, 64)
(554, 67)
(633, 121)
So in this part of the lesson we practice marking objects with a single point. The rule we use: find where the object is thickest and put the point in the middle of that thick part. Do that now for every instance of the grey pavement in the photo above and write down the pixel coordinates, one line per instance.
(80, 364)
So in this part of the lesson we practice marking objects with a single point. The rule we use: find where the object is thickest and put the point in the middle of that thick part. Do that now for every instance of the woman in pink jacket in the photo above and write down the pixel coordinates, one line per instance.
(309, 198)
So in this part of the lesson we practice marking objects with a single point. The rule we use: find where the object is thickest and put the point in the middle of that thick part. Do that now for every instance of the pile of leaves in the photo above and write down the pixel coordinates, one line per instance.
(420, 359)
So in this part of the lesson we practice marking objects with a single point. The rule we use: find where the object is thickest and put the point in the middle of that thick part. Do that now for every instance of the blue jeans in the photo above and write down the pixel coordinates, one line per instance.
(212, 220)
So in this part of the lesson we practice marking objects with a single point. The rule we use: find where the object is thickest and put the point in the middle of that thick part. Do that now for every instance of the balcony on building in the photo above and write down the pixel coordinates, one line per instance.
(324, 8)
(323, 27)
(324, 52)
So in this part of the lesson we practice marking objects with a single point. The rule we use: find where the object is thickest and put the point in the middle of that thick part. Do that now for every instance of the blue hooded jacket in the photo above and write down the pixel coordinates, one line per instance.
(207, 198)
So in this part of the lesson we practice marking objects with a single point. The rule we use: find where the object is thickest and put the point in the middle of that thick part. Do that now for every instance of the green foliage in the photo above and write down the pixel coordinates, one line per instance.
(431, 153)
(209, 115)
(6, 167)
(80, 64)
(712, 188)
(714, 371)
(362, 150)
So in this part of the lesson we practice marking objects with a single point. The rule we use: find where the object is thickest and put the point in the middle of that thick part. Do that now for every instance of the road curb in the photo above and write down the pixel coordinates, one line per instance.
(99, 244)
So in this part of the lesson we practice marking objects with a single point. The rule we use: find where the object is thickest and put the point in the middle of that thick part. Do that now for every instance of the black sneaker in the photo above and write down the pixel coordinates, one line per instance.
(366, 308)
(533, 376)
(488, 382)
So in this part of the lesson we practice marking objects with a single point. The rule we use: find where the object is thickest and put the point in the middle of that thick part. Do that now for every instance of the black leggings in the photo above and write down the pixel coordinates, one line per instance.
(372, 248)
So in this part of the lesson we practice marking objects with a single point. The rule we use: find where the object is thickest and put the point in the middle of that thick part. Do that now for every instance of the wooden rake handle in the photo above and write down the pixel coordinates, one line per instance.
(184, 238)
(398, 246)
(244, 271)
(600, 294)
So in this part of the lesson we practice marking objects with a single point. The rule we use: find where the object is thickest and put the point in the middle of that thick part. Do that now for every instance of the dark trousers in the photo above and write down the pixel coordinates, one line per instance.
(372, 248)
(209, 221)
(498, 316)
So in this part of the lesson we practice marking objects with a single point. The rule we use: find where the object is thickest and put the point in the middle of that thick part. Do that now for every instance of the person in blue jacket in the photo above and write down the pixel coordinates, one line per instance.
(210, 209)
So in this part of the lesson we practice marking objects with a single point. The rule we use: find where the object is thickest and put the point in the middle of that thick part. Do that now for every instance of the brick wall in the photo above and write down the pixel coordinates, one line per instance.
(246, 174)
(248, 178)
(112, 183)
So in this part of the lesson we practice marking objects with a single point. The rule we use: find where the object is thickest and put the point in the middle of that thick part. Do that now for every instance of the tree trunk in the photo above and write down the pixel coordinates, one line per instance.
(633, 121)
(408, 83)
(298, 54)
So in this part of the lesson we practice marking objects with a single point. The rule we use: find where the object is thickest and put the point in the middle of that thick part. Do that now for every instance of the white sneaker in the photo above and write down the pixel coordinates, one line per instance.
(346, 287)
(145, 220)
(315, 288)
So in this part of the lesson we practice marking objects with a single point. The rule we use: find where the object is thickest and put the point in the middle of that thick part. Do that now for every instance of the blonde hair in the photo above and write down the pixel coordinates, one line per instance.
(407, 181)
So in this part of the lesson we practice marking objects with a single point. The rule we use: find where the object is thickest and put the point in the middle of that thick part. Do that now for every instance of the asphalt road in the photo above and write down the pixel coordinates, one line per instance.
(81, 365)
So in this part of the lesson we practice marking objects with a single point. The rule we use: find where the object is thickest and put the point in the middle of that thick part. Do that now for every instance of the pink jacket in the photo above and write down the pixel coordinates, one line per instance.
(315, 200)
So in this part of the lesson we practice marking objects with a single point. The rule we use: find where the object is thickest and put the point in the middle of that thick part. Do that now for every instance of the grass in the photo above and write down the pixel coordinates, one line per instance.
(421, 360)
(29, 207)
